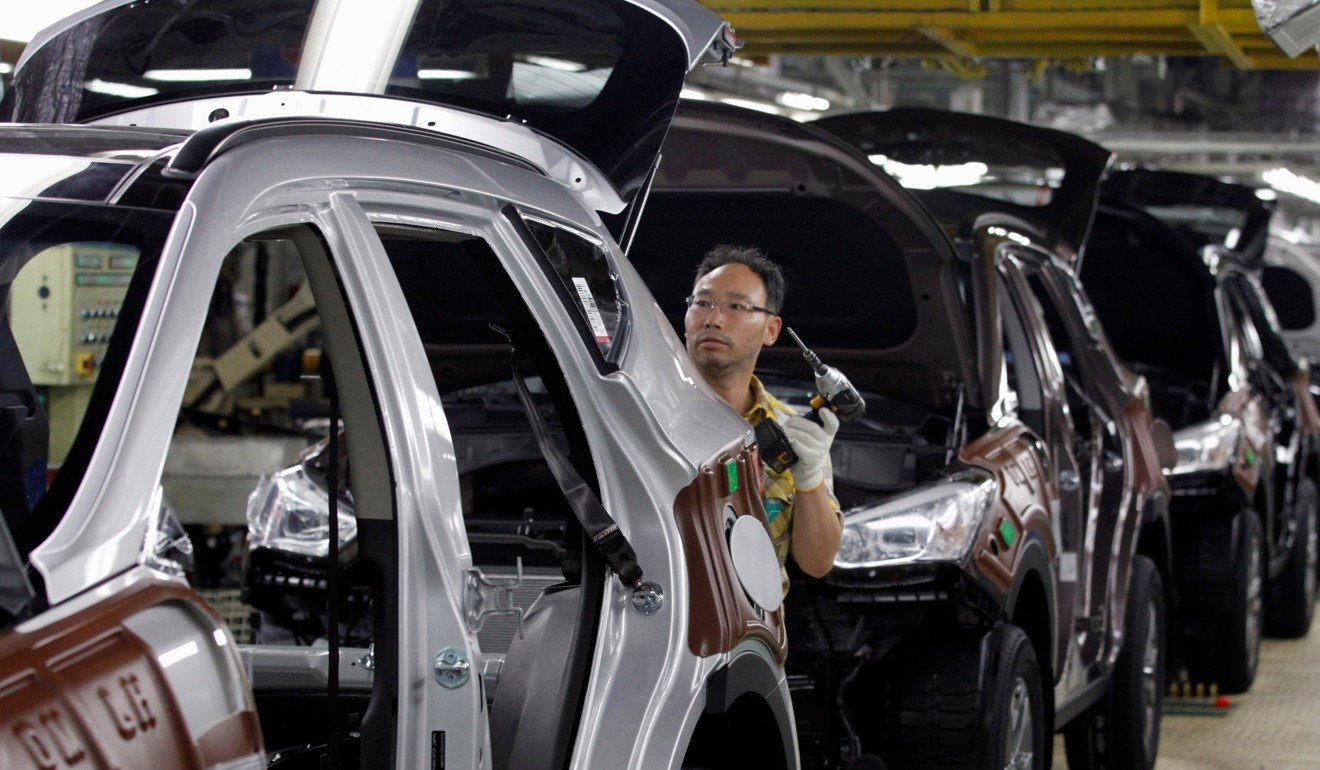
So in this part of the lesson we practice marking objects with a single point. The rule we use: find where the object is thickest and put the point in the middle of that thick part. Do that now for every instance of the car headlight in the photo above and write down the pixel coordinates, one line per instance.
(290, 512)
(936, 522)
(1209, 446)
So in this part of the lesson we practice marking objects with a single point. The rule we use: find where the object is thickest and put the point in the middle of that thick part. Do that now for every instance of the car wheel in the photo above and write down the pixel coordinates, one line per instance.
(951, 711)
(1123, 729)
(1290, 599)
(1227, 648)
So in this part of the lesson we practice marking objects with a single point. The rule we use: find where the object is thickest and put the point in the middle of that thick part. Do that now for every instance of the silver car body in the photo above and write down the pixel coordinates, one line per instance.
(651, 424)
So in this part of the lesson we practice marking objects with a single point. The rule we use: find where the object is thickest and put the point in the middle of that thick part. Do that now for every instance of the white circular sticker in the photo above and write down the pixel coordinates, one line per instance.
(755, 562)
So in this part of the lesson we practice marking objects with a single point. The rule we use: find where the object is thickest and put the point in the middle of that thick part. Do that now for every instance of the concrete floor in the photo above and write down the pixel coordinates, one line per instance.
(1276, 725)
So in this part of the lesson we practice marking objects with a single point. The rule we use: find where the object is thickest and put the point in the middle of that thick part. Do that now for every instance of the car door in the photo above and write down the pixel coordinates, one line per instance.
(1017, 392)
(1107, 416)
(1080, 624)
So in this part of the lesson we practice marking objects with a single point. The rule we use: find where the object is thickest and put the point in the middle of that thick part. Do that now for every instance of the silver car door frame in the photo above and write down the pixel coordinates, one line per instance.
(251, 189)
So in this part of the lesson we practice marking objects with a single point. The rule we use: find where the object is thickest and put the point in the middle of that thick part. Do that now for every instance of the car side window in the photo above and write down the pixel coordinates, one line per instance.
(1291, 295)
(1020, 364)
(1068, 352)
(74, 278)
(586, 280)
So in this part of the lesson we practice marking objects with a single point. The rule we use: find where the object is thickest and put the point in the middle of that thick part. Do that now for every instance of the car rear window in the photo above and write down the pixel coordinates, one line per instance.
(74, 278)
(587, 282)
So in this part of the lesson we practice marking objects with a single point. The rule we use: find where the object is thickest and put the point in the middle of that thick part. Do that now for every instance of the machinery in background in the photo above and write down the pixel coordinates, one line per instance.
(63, 308)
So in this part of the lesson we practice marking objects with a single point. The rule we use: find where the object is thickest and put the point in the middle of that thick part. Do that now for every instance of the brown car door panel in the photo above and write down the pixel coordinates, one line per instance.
(1021, 512)
(1255, 447)
(720, 614)
(86, 691)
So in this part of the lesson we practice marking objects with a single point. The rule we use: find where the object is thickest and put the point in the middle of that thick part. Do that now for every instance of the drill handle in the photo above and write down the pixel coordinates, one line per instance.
(818, 401)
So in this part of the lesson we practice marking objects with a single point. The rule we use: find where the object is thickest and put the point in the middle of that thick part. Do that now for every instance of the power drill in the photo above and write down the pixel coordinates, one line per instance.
(834, 389)
(835, 392)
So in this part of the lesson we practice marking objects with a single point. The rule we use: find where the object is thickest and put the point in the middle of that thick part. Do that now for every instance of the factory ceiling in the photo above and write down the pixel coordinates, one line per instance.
(996, 29)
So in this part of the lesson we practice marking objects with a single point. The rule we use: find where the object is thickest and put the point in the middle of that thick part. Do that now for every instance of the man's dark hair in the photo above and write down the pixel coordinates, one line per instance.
(753, 259)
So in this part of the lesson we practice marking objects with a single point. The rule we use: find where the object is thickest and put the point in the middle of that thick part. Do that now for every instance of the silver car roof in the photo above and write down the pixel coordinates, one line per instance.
(600, 78)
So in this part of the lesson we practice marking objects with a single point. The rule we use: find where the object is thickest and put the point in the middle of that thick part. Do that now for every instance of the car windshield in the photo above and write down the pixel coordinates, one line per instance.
(73, 278)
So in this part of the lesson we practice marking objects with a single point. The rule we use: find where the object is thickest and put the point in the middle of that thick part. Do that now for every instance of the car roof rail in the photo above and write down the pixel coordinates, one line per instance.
(209, 143)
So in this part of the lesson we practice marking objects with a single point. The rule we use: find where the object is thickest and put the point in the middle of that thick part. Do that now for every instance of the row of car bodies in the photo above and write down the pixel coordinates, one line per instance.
(1198, 324)
(1009, 551)
(1007, 478)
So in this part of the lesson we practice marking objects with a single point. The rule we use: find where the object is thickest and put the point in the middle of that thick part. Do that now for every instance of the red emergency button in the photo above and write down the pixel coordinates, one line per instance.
(85, 364)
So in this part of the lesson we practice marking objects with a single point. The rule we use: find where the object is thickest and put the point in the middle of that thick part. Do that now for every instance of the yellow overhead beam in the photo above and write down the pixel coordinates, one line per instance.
(1016, 51)
(948, 40)
(730, 6)
(751, 21)
(1215, 38)
(979, 29)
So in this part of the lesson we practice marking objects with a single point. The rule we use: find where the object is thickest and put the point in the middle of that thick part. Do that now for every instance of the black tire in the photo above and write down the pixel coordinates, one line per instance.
(949, 711)
(1224, 647)
(1122, 731)
(1290, 597)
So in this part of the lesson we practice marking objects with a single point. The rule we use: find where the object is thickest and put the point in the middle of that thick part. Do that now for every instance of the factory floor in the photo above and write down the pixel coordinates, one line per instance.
(1276, 725)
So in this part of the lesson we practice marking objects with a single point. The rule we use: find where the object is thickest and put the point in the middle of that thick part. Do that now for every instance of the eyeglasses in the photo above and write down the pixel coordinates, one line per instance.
(738, 308)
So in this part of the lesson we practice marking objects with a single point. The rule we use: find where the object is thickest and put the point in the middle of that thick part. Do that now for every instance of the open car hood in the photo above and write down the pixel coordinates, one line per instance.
(601, 77)
(1051, 175)
(1204, 209)
(870, 272)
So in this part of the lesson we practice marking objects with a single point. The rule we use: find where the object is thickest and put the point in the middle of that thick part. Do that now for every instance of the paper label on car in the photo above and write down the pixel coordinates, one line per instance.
(1068, 567)
(598, 329)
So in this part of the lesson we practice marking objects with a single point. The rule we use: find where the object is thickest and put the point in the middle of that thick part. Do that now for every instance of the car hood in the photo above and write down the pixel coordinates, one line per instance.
(871, 274)
(1050, 175)
(601, 77)
(1204, 209)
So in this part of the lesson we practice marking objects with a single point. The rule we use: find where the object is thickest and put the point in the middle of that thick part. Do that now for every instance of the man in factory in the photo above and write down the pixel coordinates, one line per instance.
(734, 311)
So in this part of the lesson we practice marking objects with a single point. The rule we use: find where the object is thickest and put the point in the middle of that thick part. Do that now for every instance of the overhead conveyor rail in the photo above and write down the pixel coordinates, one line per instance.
(990, 29)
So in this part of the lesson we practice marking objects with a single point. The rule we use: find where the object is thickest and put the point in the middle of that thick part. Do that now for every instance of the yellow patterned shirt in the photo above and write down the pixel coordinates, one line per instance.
(779, 487)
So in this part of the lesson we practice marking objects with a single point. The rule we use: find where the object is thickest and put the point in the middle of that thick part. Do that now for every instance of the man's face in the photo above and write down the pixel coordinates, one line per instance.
(723, 341)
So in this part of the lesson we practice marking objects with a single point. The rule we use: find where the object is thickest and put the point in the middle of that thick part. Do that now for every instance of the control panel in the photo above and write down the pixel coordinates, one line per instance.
(63, 306)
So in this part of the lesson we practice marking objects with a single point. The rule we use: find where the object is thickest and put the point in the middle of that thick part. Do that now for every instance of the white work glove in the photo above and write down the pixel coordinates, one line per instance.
(811, 442)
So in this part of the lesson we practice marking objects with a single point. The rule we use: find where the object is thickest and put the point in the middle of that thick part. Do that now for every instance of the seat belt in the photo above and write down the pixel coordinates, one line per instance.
(588, 508)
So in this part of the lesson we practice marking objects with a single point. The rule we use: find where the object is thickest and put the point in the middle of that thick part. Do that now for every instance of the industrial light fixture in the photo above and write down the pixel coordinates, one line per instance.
(445, 74)
(1284, 180)
(198, 75)
(693, 94)
(124, 90)
(563, 65)
(923, 176)
(797, 100)
(1266, 194)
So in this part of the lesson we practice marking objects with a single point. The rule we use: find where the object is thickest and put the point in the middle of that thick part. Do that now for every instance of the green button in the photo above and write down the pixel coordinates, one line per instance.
(731, 473)
(1007, 531)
